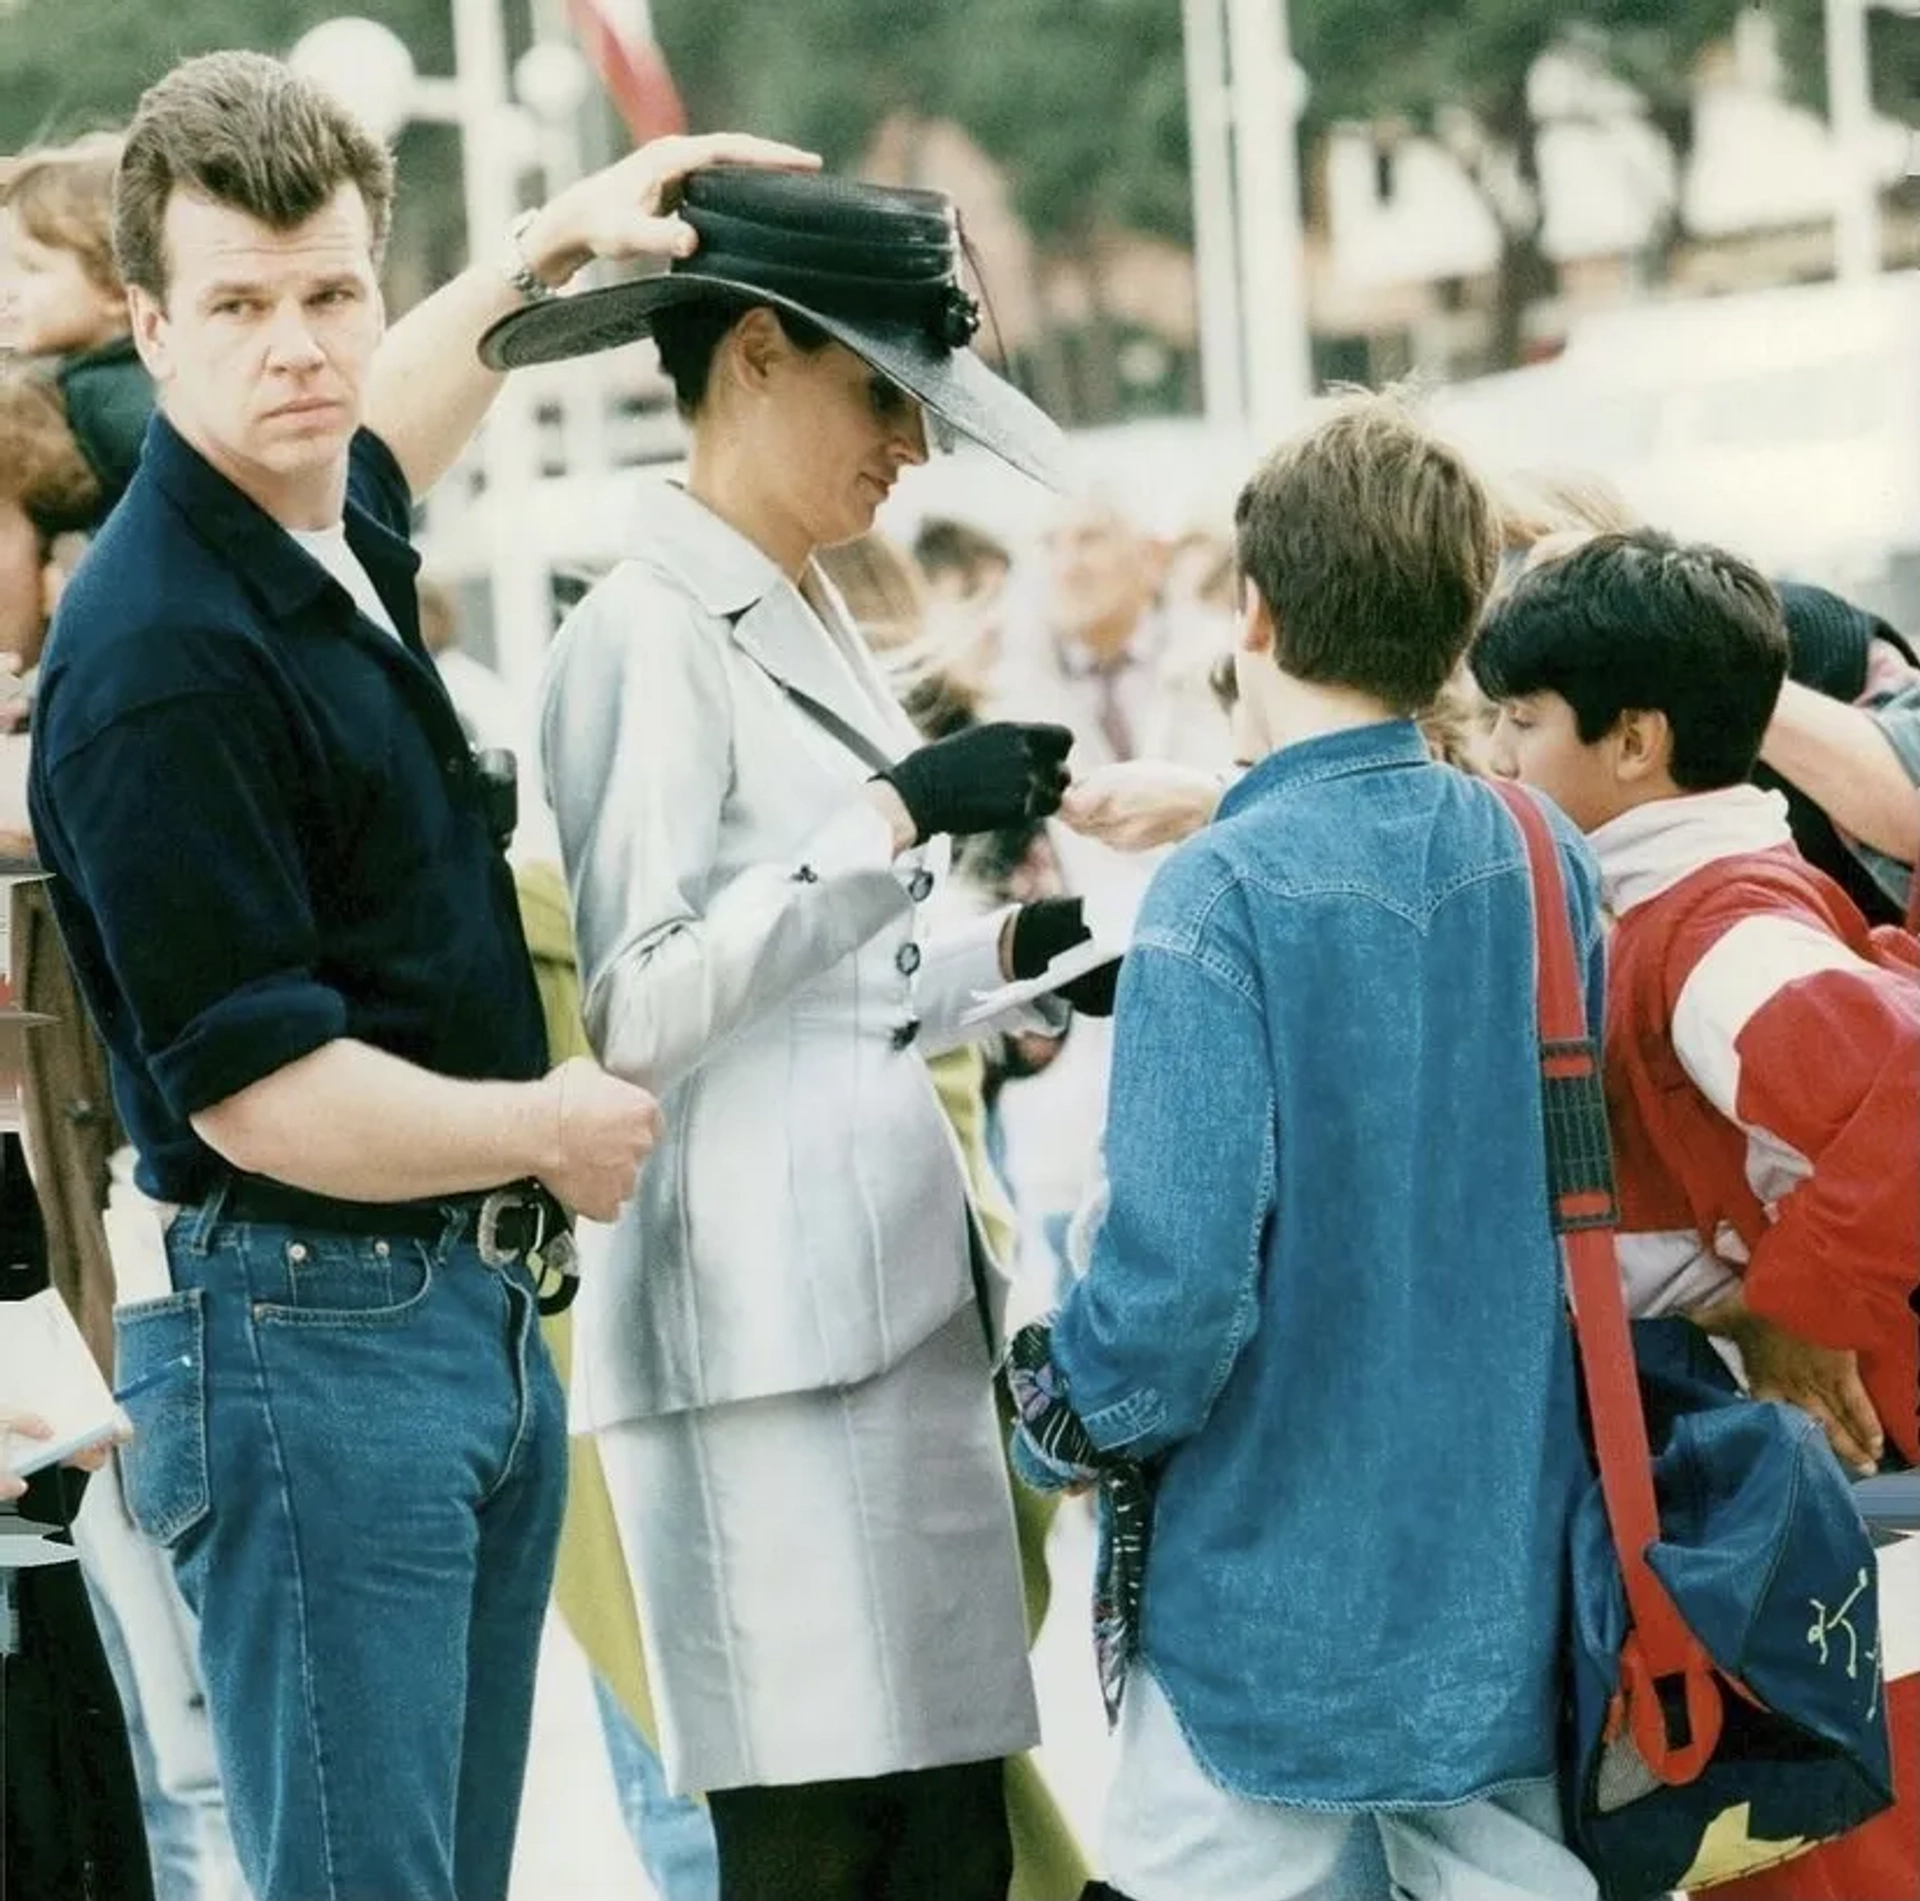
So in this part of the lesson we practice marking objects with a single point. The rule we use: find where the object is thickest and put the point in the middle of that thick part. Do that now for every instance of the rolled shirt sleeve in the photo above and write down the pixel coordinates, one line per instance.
(205, 921)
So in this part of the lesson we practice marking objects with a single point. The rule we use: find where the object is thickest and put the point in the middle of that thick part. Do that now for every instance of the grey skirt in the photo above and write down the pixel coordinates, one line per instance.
(828, 1582)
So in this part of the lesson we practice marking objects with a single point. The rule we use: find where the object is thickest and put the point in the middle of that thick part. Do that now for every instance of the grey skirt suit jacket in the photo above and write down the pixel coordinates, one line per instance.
(753, 952)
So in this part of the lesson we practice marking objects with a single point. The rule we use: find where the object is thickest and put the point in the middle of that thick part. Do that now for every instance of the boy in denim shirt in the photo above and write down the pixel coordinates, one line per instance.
(1324, 1308)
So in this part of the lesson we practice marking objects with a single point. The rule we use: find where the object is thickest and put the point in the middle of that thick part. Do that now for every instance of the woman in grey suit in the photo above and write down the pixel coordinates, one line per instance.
(786, 1349)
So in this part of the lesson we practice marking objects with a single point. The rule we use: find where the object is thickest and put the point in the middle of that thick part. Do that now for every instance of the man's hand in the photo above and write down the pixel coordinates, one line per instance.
(1823, 1381)
(604, 1130)
(626, 210)
(32, 1426)
(1136, 804)
(429, 389)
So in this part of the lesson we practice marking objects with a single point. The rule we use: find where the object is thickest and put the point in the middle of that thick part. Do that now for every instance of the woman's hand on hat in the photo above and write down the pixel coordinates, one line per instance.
(627, 209)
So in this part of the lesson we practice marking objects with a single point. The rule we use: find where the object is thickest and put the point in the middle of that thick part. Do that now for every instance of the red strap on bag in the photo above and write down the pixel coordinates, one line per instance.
(1913, 900)
(1670, 1698)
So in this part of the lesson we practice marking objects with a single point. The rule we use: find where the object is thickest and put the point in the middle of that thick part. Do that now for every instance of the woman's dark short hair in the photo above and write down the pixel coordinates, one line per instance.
(686, 336)
(945, 546)
(1643, 623)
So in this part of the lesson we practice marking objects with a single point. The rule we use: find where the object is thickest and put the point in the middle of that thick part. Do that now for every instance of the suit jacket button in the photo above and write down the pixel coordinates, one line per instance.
(904, 1033)
(920, 886)
(906, 960)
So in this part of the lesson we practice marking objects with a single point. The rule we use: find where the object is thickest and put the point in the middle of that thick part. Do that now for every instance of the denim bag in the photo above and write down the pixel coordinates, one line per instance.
(1727, 1710)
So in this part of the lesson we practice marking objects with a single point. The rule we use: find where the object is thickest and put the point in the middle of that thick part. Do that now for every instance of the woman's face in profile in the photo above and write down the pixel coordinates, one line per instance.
(843, 432)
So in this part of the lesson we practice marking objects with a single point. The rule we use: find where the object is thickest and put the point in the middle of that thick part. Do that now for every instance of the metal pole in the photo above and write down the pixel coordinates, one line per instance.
(1216, 268)
(1272, 251)
(1856, 202)
(509, 449)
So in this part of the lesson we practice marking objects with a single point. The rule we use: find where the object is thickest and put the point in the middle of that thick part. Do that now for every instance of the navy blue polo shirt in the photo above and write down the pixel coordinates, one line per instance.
(261, 815)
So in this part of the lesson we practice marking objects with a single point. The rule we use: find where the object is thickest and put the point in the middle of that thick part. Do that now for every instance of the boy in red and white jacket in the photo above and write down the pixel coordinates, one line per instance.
(1762, 1047)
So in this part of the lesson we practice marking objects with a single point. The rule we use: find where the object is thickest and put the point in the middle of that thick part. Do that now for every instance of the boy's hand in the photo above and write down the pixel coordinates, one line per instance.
(1823, 1381)
(1137, 804)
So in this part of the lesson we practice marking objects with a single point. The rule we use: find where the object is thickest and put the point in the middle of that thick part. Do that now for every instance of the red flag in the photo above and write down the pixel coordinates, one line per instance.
(632, 70)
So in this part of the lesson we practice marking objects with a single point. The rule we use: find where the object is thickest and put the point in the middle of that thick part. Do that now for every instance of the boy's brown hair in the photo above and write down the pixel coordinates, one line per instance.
(244, 131)
(42, 470)
(1373, 545)
(62, 196)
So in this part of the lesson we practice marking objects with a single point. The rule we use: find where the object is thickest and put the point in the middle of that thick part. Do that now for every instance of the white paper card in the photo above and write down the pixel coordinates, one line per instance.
(1071, 963)
(45, 1368)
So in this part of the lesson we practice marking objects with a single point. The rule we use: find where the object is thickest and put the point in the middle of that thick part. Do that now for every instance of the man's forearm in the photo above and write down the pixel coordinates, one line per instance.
(352, 1121)
(1838, 756)
(430, 391)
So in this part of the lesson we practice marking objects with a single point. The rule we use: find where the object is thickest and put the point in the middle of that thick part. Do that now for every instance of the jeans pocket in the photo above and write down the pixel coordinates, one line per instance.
(159, 1348)
(303, 1278)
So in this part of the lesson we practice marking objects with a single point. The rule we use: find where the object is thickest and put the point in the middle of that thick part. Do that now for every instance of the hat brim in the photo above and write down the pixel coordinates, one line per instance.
(955, 385)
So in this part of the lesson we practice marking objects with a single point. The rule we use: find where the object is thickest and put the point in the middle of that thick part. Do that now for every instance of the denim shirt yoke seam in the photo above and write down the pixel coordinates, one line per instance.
(1437, 895)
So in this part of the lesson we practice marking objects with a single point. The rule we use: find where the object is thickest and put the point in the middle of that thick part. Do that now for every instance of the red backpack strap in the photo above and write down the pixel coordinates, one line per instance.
(1666, 1677)
(1913, 896)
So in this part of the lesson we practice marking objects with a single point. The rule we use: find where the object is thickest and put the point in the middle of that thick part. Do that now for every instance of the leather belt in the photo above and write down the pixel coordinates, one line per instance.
(518, 1222)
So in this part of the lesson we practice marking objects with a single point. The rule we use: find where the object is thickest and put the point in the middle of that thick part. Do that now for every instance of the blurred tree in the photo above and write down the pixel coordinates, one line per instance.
(1083, 101)
(74, 66)
(1460, 73)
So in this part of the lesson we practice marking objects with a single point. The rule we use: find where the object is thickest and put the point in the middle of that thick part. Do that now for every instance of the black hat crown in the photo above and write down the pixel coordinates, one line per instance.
(864, 253)
(877, 267)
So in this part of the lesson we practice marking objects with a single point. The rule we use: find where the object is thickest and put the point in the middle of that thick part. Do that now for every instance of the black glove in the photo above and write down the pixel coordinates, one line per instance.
(1045, 928)
(983, 778)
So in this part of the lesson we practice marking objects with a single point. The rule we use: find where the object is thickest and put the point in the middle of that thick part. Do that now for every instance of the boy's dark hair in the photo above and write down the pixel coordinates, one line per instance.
(1373, 545)
(245, 131)
(946, 546)
(1643, 623)
(687, 335)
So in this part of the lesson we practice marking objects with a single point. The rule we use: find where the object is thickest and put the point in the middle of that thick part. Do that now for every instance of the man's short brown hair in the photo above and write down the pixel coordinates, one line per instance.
(244, 131)
(1373, 545)
(42, 471)
(62, 196)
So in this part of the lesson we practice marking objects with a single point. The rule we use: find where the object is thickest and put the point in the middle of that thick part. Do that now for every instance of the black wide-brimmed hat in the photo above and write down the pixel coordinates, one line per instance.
(876, 267)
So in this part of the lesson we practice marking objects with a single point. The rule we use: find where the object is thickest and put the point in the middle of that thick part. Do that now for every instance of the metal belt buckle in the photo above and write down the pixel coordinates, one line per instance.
(486, 1226)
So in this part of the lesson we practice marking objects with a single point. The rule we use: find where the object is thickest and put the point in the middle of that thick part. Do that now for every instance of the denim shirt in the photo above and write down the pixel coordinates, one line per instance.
(1325, 1300)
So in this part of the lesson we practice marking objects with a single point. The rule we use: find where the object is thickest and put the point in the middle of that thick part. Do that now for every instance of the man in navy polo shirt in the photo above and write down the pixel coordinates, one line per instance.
(284, 896)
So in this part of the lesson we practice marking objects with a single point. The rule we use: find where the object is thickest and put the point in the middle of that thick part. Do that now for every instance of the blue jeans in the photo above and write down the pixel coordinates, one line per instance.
(357, 1458)
(173, 1827)
(673, 1834)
